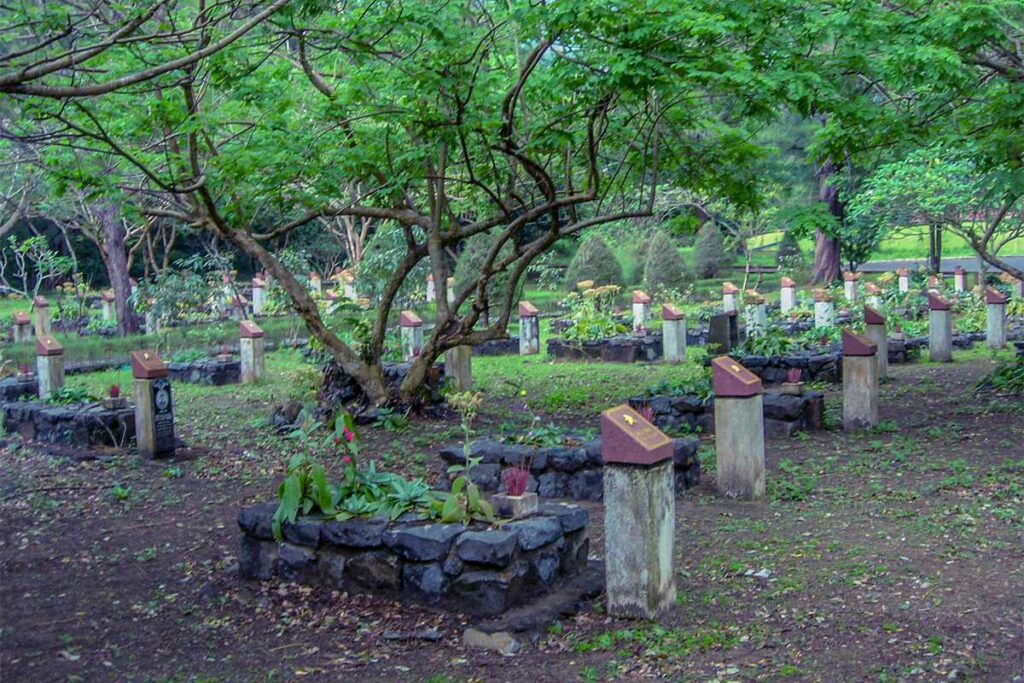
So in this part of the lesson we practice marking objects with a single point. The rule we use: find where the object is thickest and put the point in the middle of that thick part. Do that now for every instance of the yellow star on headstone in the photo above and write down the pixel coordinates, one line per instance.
(629, 419)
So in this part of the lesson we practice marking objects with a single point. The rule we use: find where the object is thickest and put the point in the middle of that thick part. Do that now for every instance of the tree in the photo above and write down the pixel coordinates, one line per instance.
(453, 121)
(594, 260)
(943, 189)
(710, 256)
(665, 266)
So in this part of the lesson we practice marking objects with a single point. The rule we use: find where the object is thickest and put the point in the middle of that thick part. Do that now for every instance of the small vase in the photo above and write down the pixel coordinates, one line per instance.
(514, 507)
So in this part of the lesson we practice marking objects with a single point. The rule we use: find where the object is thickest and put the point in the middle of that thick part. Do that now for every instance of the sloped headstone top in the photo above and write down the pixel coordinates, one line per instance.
(48, 346)
(146, 364)
(857, 345)
(873, 317)
(627, 438)
(732, 380)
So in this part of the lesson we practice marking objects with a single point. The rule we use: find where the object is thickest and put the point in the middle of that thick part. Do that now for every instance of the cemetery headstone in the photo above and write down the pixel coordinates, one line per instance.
(729, 293)
(49, 366)
(316, 284)
(673, 333)
(252, 350)
(850, 286)
(458, 367)
(874, 295)
(41, 309)
(860, 382)
(903, 279)
(959, 279)
(641, 310)
(259, 295)
(529, 329)
(411, 328)
(22, 330)
(639, 517)
(995, 324)
(875, 330)
(787, 295)
(739, 430)
(449, 294)
(431, 290)
(940, 329)
(720, 336)
(107, 303)
(154, 406)
(755, 313)
(824, 309)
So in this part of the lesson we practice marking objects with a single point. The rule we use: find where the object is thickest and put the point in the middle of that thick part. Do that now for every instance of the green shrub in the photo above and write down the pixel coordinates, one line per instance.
(471, 262)
(710, 256)
(594, 261)
(664, 267)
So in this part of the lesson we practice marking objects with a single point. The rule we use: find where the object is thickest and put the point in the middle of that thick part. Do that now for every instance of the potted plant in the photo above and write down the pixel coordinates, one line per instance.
(114, 400)
(516, 502)
(793, 385)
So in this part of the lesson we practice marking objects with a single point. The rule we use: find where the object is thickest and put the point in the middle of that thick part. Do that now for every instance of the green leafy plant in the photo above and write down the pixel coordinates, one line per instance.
(1007, 378)
(464, 503)
(590, 314)
(69, 395)
(189, 356)
(773, 341)
(392, 421)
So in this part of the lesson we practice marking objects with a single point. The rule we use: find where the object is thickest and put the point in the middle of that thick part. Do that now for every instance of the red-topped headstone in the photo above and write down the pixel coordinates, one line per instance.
(872, 289)
(820, 295)
(937, 303)
(628, 439)
(640, 297)
(849, 276)
(48, 346)
(21, 318)
(146, 364)
(527, 310)
(249, 330)
(409, 319)
(993, 296)
(788, 282)
(40, 302)
(670, 312)
(857, 345)
(903, 272)
(959, 270)
(873, 317)
(751, 296)
(732, 380)
(730, 288)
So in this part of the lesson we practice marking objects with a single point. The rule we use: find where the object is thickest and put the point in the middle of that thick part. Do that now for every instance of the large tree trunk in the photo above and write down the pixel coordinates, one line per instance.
(827, 267)
(115, 259)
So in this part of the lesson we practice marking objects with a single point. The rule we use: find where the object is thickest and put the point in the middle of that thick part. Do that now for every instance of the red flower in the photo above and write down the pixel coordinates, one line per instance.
(337, 441)
(347, 460)
(348, 435)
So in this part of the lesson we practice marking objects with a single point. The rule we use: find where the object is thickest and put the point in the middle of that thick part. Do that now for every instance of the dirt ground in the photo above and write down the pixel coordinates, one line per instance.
(886, 556)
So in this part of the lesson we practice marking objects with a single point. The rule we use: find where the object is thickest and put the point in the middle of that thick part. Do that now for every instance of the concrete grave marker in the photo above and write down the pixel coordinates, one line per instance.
(449, 295)
(824, 309)
(411, 328)
(639, 518)
(850, 286)
(251, 346)
(875, 329)
(729, 292)
(458, 367)
(259, 295)
(41, 309)
(641, 310)
(959, 279)
(673, 331)
(787, 295)
(431, 289)
(874, 295)
(108, 305)
(154, 406)
(995, 324)
(529, 329)
(49, 366)
(739, 430)
(940, 329)
(860, 382)
(755, 313)
(903, 279)
(22, 330)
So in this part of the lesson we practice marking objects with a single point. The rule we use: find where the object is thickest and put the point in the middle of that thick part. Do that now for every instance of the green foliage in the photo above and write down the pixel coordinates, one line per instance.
(710, 256)
(472, 260)
(792, 483)
(463, 503)
(665, 266)
(594, 261)
(189, 356)
(68, 395)
(789, 255)
(590, 315)
(773, 341)
(1007, 378)
(699, 386)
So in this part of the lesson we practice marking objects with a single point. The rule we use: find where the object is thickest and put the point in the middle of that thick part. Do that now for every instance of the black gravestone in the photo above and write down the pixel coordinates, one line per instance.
(163, 417)
(720, 333)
